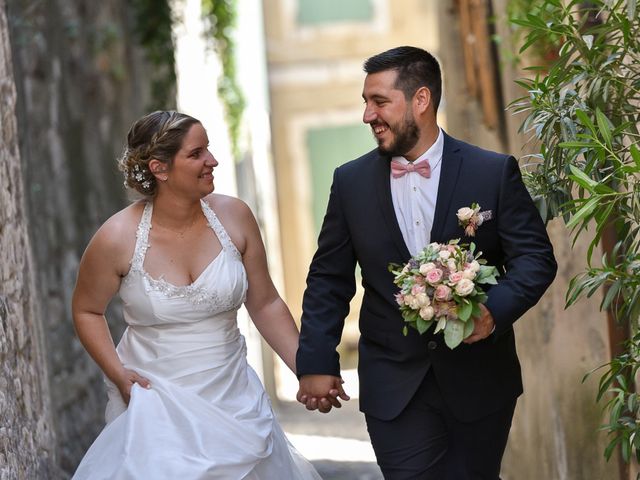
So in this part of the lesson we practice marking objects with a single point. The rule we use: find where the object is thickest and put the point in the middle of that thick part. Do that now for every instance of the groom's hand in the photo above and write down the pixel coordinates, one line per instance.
(321, 392)
(484, 326)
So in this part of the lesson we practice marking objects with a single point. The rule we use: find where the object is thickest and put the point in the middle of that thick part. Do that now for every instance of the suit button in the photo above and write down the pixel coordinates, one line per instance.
(432, 345)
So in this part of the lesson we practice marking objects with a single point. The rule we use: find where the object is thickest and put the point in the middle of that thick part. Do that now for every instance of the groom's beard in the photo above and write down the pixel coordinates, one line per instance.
(406, 136)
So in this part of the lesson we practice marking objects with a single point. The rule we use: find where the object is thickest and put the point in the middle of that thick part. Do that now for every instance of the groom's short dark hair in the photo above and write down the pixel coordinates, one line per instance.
(416, 68)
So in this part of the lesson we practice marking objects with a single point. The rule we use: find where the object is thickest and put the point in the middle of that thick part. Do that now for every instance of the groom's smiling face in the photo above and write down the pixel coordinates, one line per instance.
(390, 115)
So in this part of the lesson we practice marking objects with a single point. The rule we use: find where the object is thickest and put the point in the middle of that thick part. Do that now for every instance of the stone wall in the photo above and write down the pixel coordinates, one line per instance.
(81, 79)
(26, 438)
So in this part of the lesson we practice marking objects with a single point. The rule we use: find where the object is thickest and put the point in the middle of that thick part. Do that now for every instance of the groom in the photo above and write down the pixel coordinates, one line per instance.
(431, 412)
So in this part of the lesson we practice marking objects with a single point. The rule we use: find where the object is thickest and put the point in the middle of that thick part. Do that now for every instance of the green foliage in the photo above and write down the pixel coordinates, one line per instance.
(540, 46)
(221, 17)
(583, 111)
(153, 20)
(617, 384)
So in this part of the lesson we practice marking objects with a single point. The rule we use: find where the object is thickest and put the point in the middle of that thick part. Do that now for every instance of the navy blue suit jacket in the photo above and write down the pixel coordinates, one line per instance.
(360, 226)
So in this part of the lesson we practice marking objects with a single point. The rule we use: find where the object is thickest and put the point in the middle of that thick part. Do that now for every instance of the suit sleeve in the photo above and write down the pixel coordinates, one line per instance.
(529, 263)
(330, 287)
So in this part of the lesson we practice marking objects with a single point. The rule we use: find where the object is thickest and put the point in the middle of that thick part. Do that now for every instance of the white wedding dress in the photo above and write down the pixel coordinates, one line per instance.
(206, 415)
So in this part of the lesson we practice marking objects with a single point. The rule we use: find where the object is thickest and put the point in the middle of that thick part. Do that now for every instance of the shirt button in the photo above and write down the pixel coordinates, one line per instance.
(432, 345)
(415, 189)
(417, 222)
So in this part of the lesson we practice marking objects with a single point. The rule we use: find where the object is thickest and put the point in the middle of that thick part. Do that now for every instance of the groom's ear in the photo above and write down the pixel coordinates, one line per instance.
(422, 99)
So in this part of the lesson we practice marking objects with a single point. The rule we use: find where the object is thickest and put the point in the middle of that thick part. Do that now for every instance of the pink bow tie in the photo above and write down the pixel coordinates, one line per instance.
(400, 169)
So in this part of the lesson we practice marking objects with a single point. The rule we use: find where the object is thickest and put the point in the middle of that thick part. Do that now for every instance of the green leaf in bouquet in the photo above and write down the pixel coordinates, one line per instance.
(422, 325)
(479, 297)
(405, 331)
(394, 266)
(464, 310)
(468, 328)
(477, 312)
(442, 323)
(453, 333)
(487, 275)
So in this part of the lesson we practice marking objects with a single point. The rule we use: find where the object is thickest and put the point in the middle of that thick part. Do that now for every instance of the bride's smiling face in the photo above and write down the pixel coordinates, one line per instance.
(192, 170)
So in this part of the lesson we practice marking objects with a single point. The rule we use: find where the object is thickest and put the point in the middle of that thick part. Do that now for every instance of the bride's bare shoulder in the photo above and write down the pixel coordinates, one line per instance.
(124, 221)
(236, 217)
(226, 205)
(117, 235)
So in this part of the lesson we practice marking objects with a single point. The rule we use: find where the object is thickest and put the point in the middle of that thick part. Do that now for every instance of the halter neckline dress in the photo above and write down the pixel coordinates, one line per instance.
(206, 415)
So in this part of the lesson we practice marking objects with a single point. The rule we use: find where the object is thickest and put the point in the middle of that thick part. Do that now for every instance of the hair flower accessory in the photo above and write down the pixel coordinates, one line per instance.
(470, 218)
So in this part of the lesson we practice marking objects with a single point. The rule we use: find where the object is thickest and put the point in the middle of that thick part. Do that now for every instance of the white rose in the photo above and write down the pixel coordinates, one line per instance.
(412, 301)
(465, 213)
(468, 274)
(464, 287)
(451, 265)
(444, 254)
(423, 300)
(426, 313)
(474, 266)
(427, 267)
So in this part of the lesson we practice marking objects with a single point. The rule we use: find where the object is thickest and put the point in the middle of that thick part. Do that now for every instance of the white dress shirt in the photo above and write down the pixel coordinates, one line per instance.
(414, 198)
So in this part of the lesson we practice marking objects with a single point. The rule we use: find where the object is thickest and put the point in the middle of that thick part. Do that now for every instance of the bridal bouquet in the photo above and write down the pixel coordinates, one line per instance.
(441, 286)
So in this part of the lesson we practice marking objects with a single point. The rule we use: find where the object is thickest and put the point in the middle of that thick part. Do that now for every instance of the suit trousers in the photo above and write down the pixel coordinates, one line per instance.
(426, 442)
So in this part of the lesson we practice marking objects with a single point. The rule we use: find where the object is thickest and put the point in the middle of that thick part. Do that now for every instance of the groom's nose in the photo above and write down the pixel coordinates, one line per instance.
(370, 114)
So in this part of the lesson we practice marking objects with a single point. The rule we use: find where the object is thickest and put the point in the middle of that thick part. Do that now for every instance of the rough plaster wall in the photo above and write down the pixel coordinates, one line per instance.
(25, 417)
(555, 429)
(81, 81)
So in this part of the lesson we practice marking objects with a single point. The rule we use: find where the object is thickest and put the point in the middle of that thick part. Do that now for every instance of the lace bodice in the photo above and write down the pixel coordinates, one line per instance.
(220, 287)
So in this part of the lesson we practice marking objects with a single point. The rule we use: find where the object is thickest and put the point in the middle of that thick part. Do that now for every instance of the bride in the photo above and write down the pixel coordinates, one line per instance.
(182, 400)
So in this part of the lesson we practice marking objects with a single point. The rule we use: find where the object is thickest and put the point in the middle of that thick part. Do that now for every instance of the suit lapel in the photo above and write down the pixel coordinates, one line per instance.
(383, 188)
(450, 168)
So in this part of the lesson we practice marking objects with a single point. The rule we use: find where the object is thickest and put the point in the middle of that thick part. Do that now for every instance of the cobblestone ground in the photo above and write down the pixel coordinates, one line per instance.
(336, 443)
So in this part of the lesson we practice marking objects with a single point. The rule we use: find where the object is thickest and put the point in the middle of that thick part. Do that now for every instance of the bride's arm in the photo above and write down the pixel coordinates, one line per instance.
(98, 280)
(268, 311)
(266, 308)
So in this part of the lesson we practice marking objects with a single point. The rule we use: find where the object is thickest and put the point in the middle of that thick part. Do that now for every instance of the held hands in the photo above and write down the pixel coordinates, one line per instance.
(484, 326)
(321, 392)
(126, 380)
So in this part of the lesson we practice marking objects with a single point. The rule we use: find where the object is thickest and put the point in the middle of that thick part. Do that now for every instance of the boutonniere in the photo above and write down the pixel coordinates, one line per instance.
(470, 218)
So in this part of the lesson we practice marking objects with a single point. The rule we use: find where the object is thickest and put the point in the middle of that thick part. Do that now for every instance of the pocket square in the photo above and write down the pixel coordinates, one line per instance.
(485, 216)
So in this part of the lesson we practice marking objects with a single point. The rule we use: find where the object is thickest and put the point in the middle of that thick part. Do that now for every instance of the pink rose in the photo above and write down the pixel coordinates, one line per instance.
(399, 299)
(455, 277)
(416, 289)
(464, 287)
(442, 293)
(434, 276)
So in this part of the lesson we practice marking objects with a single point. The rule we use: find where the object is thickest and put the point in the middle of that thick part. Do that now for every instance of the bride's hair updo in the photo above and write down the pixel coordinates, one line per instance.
(157, 135)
